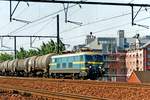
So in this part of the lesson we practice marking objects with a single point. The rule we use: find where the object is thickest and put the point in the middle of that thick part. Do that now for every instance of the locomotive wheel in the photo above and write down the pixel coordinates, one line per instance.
(75, 76)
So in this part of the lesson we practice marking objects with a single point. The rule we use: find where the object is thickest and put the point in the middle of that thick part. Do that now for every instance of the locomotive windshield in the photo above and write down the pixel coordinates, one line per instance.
(95, 58)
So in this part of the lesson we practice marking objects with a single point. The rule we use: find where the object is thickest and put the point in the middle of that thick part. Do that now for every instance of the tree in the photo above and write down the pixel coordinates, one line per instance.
(32, 52)
(21, 54)
(51, 47)
(5, 56)
(45, 48)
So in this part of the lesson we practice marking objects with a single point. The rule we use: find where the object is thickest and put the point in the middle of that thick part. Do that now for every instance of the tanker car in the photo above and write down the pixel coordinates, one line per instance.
(75, 65)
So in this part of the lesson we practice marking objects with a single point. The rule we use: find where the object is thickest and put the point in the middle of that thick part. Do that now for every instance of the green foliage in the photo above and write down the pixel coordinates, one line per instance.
(45, 48)
(50, 47)
(22, 53)
(32, 52)
(5, 56)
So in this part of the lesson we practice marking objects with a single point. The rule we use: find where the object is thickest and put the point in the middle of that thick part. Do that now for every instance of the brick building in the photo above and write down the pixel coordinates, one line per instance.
(115, 66)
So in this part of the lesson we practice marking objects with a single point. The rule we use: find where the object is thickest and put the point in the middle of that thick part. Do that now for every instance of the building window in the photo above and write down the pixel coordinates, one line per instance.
(123, 70)
(55, 60)
(137, 61)
(148, 56)
(148, 63)
(148, 49)
(130, 70)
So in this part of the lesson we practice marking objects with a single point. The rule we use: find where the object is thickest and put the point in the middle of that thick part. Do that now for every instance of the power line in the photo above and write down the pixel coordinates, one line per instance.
(131, 1)
(97, 21)
(34, 21)
(2, 27)
(93, 22)
(44, 26)
(107, 29)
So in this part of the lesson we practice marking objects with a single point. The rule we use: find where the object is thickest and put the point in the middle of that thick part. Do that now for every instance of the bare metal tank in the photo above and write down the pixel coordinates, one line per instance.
(15, 64)
(42, 62)
(25, 64)
(20, 66)
(31, 63)
(1, 67)
(11, 67)
(5, 65)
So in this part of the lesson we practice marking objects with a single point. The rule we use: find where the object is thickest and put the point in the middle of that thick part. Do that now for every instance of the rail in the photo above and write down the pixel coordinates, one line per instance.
(88, 82)
(48, 94)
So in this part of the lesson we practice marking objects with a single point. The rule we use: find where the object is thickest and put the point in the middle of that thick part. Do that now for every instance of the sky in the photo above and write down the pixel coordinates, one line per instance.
(102, 20)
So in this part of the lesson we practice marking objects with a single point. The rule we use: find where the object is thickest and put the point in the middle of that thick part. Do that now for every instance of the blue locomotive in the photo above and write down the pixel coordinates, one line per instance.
(87, 65)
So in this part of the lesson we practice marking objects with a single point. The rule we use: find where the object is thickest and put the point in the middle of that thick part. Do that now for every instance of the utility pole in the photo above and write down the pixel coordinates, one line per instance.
(58, 34)
(15, 50)
(10, 11)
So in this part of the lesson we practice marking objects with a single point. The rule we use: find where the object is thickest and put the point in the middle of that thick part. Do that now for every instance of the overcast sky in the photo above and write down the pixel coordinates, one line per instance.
(103, 21)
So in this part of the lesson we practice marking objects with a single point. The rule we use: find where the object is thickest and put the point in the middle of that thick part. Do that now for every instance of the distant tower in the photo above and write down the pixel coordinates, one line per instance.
(121, 39)
(89, 38)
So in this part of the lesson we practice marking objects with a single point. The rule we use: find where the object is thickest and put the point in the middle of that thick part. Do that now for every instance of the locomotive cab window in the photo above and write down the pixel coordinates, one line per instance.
(64, 65)
(58, 65)
(81, 58)
(70, 65)
(54, 60)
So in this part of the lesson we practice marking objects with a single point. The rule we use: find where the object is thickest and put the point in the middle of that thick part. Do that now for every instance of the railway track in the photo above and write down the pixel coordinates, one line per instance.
(47, 94)
(86, 82)
(65, 89)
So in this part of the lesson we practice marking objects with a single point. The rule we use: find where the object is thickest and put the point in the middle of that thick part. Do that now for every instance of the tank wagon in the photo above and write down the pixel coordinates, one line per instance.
(75, 65)
(78, 65)
(33, 66)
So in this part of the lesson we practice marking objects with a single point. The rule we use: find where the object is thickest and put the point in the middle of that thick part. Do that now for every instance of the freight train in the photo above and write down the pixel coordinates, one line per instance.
(87, 65)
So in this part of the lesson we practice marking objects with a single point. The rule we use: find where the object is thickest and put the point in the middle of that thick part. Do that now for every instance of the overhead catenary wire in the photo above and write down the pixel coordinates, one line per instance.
(2, 27)
(93, 22)
(97, 21)
(43, 18)
(131, 1)
(107, 29)
(43, 27)
(37, 20)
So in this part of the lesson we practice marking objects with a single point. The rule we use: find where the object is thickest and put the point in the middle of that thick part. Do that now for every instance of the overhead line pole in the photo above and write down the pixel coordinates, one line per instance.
(15, 48)
(58, 39)
(10, 11)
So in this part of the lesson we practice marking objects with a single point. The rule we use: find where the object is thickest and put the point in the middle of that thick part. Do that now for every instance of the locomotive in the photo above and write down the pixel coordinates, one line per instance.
(87, 65)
